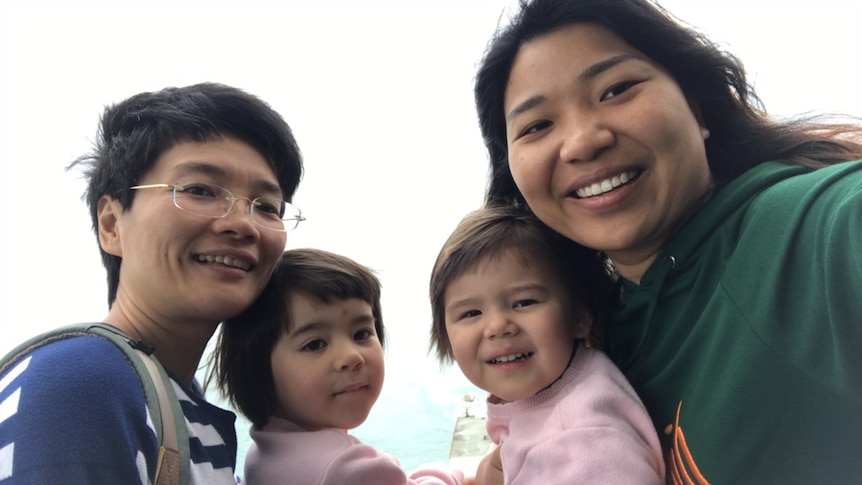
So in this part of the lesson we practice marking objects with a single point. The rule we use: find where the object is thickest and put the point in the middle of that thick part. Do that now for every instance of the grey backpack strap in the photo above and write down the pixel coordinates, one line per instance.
(174, 457)
(165, 410)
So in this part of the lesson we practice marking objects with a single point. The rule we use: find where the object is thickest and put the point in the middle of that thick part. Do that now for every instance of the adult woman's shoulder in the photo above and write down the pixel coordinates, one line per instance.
(77, 367)
(84, 394)
(834, 185)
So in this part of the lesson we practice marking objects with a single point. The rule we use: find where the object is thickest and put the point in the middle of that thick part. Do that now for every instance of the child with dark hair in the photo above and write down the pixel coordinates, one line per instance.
(305, 365)
(520, 309)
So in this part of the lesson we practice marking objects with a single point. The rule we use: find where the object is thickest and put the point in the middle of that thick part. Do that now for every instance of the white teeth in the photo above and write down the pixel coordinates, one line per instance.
(606, 185)
(225, 260)
(509, 358)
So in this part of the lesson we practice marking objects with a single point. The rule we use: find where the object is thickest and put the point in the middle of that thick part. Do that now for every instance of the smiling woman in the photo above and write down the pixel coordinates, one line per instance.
(734, 234)
(174, 239)
(173, 276)
(595, 93)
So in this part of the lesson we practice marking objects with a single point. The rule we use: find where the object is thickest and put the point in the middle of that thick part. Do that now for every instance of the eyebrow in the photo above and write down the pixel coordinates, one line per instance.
(307, 328)
(602, 66)
(457, 304)
(209, 169)
(363, 319)
(532, 286)
(587, 74)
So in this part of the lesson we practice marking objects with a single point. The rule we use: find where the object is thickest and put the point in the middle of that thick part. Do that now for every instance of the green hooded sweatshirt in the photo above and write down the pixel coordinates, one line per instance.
(744, 337)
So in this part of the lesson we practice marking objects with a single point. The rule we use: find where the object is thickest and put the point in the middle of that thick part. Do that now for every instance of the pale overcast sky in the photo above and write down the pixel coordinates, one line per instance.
(379, 94)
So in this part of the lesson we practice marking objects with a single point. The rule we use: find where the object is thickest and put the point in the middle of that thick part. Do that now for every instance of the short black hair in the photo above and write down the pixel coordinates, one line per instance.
(135, 132)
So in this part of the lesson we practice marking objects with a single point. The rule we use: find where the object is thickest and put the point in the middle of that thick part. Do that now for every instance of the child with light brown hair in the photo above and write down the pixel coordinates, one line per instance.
(519, 308)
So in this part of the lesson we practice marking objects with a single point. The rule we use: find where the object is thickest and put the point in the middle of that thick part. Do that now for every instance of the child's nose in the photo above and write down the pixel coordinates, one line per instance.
(350, 358)
(500, 325)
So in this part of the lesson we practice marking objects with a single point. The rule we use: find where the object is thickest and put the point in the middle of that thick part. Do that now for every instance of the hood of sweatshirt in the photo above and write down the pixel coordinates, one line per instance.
(680, 267)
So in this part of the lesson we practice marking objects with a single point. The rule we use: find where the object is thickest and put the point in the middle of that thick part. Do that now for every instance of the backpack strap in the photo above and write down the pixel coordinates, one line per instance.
(173, 466)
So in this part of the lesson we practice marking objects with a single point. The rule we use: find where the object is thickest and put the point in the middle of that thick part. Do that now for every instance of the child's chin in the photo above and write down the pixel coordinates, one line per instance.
(352, 423)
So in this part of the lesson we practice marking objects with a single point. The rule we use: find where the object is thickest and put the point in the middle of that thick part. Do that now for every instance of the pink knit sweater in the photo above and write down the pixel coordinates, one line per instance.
(588, 427)
(283, 452)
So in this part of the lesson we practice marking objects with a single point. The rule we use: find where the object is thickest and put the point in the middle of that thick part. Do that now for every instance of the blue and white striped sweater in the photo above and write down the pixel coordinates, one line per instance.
(74, 411)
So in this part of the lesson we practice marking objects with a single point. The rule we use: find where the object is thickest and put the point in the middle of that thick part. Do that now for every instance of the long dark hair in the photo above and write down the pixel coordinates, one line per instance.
(741, 133)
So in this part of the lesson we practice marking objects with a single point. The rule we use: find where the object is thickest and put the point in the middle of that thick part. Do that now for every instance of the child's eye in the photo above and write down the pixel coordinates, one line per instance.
(315, 345)
(471, 314)
(618, 89)
(364, 334)
(524, 303)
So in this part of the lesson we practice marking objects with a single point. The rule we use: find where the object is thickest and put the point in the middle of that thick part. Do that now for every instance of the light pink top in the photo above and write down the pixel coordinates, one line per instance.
(588, 427)
(283, 453)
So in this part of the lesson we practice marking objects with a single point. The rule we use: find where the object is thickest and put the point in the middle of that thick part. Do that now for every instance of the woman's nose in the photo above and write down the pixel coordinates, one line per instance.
(584, 138)
(239, 218)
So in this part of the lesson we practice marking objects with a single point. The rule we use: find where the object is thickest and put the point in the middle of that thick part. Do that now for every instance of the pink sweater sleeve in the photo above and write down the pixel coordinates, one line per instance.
(363, 464)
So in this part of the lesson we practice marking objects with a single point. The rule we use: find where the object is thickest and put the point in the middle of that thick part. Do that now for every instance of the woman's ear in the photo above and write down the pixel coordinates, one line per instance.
(109, 211)
(698, 115)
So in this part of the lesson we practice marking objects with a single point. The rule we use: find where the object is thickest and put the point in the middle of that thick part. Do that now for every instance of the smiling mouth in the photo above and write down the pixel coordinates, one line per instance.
(225, 260)
(607, 185)
(504, 359)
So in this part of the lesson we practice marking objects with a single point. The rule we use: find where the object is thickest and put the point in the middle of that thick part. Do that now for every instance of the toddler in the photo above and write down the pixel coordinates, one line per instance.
(519, 308)
(305, 364)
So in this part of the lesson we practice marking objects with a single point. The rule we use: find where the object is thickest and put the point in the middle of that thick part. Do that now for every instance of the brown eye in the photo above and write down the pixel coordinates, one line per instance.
(314, 346)
(524, 303)
(536, 127)
(470, 313)
(198, 190)
(363, 334)
(618, 89)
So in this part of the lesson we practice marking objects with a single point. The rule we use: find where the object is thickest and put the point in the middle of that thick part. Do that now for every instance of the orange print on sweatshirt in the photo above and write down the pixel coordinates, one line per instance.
(681, 466)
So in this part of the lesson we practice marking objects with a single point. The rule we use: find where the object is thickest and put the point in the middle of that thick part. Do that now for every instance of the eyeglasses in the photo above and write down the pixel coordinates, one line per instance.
(209, 200)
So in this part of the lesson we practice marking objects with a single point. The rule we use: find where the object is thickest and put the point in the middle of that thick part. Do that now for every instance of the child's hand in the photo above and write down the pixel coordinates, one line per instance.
(490, 471)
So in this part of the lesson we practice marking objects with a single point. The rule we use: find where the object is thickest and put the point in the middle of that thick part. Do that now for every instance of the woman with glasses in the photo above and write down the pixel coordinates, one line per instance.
(737, 237)
(189, 190)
